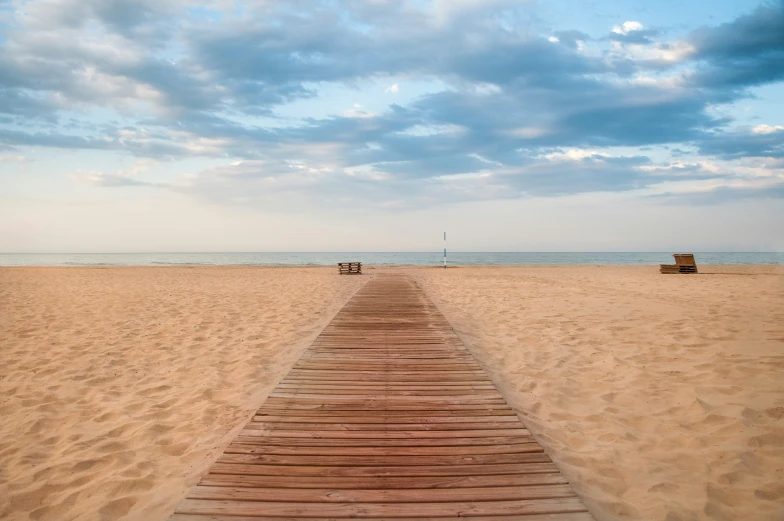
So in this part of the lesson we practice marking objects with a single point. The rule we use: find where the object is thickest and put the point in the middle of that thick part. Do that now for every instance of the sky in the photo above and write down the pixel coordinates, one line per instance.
(376, 125)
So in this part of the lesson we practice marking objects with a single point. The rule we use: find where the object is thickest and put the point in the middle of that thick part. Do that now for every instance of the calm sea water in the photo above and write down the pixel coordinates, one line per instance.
(371, 259)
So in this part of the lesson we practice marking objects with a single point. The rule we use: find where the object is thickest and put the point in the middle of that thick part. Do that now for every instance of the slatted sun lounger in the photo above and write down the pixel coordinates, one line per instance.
(684, 263)
(350, 268)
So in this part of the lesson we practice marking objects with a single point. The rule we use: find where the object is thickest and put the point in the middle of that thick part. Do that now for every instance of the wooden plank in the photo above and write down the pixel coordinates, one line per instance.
(330, 495)
(317, 412)
(391, 510)
(377, 471)
(372, 482)
(382, 387)
(376, 426)
(391, 378)
(561, 516)
(446, 374)
(376, 442)
(387, 460)
(251, 430)
(420, 353)
(390, 427)
(391, 368)
(381, 406)
(262, 448)
(303, 397)
(386, 416)
(386, 419)
(304, 385)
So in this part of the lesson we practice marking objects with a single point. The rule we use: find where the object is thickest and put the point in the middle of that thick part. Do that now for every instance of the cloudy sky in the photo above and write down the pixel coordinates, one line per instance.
(375, 125)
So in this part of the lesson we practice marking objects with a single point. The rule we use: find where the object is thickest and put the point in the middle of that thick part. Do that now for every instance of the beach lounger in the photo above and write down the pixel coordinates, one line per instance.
(350, 268)
(684, 263)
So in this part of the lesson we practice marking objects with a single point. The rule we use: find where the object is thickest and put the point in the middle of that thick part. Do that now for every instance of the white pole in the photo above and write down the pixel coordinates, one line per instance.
(444, 250)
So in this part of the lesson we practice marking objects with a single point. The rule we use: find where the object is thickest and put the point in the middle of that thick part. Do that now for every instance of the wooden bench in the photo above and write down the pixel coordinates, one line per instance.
(684, 263)
(350, 268)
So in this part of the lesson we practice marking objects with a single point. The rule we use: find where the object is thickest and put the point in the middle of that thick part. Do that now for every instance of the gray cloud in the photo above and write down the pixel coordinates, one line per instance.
(640, 37)
(748, 51)
(756, 34)
(410, 184)
(739, 144)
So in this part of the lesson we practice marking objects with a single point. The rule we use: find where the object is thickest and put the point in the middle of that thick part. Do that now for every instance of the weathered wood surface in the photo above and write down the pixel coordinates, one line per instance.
(386, 416)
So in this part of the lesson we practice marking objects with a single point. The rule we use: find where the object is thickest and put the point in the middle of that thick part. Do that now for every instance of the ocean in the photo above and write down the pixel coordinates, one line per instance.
(376, 258)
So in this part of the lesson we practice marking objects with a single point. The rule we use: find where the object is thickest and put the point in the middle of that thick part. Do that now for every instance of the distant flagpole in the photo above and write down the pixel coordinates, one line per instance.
(444, 250)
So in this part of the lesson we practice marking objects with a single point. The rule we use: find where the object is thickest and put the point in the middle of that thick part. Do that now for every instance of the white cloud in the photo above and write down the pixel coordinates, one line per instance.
(663, 82)
(485, 160)
(139, 166)
(574, 154)
(195, 144)
(360, 114)
(675, 52)
(627, 27)
(366, 172)
(529, 132)
(13, 159)
(444, 10)
(432, 130)
(553, 39)
(767, 129)
(670, 53)
(394, 89)
(707, 166)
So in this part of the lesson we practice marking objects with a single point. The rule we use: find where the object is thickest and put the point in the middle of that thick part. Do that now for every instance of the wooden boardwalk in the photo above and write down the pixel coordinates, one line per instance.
(386, 416)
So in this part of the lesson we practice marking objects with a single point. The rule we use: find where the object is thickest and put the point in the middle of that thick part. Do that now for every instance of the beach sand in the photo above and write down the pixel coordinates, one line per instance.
(661, 397)
(120, 386)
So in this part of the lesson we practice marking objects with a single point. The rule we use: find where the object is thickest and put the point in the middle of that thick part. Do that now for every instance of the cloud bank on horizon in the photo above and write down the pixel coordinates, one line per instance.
(394, 105)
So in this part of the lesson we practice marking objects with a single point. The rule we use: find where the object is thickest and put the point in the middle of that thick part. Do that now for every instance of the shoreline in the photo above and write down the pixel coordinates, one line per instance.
(388, 259)
(374, 266)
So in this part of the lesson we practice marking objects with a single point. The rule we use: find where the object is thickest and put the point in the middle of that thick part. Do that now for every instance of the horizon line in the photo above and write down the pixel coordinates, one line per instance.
(361, 251)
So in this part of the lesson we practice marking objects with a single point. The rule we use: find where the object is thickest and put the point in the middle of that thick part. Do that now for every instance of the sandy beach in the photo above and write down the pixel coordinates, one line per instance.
(120, 386)
(661, 397)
